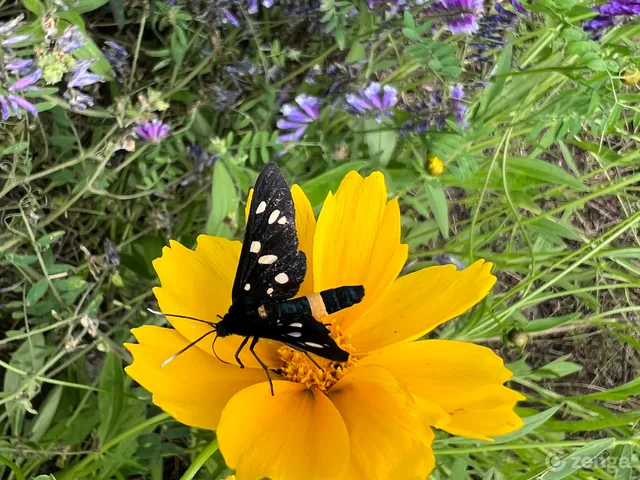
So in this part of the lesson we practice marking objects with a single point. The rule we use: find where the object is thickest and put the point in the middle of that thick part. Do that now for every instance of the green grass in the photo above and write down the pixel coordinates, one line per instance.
(544, 183)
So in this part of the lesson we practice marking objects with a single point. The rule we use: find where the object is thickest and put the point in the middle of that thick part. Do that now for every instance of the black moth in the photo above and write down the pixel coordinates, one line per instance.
(270, 272)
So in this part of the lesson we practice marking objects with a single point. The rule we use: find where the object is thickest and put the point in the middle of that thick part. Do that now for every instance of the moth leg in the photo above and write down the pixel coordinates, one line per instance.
(242, 345)
(254, 342)
(313, 361)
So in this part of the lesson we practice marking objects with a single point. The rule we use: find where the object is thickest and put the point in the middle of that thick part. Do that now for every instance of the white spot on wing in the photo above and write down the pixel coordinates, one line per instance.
(269, 291)
(274, 216)
(294, 334)
(311, 344)
(247, 287)
(267, 259)
(282, 278)
(261, 207)
(295, 325)
(282, 220)
(255, 247)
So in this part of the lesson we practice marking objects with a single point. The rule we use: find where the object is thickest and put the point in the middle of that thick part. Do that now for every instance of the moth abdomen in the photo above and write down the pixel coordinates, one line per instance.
(337, 299)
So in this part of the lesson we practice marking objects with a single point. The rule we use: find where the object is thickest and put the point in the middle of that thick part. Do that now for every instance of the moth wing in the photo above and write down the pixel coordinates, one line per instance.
(271, 267)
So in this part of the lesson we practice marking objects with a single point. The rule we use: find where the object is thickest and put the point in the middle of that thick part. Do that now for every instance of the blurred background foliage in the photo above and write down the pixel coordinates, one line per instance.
(508, 131)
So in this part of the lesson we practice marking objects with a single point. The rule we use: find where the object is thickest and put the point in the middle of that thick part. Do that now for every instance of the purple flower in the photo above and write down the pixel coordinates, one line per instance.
(77, 99)
(12, 105)
(27, 81)
(231, 18)
(612, 13)
(15, 39)
(459, 108)
(71, 39)
(493, 29)
(375, 98)
(464, 14)
(81, 77)
(153, 132)
(10, 26)
(19, 66)
(297, 118)
(118, 57)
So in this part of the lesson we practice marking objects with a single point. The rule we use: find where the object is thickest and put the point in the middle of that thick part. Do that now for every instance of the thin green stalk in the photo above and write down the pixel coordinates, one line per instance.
(523, 446)
(200, 460)
(14, 468)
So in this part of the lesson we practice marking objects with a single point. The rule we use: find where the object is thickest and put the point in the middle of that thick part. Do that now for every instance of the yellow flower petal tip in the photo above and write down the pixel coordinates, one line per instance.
(370, 416)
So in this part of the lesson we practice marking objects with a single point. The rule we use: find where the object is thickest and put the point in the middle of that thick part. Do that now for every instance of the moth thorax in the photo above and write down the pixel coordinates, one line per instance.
(297, 367)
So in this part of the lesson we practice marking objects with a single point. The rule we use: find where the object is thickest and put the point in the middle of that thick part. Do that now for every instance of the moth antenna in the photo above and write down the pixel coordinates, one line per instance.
(213, 347)
(313, 361)
(173, 357)
(155, 312)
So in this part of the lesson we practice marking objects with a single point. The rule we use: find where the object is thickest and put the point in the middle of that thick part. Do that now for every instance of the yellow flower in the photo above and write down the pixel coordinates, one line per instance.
(631, 76)
(367, 419)
(435, 166)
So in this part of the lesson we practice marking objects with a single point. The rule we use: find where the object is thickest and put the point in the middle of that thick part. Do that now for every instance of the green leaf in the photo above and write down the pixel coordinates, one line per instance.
(497, 82)
(15, 148)
(224, 200)
(439, 207)
(623, 392)
(30, 358)
(34, 6)
(381, 140)
(110, 398)
(624, 469)
(560, 367)
(36, 292)
(46, 414)
(44, 106)
(317, 189)
(544, 171)
(593, 425)
(529, 425)
(84, 6)
(117, 9)
(356, 53)
(564, 467)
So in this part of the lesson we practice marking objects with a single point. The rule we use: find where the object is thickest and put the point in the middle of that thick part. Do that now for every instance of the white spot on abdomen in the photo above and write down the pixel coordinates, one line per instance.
(274, 216)
(267, 259)
(282, 278)
(255, 247)
(295, 334)
(261, 207)
(295, 325)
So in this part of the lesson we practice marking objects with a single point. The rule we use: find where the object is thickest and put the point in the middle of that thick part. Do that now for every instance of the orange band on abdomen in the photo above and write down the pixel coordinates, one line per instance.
(318, 310)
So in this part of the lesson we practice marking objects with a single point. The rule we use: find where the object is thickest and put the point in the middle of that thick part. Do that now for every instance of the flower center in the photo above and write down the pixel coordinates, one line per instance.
(297, 367)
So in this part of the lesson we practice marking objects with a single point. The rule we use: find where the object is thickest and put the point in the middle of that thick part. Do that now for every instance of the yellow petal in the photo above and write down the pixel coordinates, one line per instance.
(306, 226)
(198, 284)
(387, 437)
(194, 387)
(357, 241)
(486, 412)
(296, 434)
(417, 303)
(463, 379)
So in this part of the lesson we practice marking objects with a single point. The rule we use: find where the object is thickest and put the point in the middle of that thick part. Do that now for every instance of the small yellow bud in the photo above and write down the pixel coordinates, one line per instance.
(435, 166)
(517, 338)
(631, 76)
